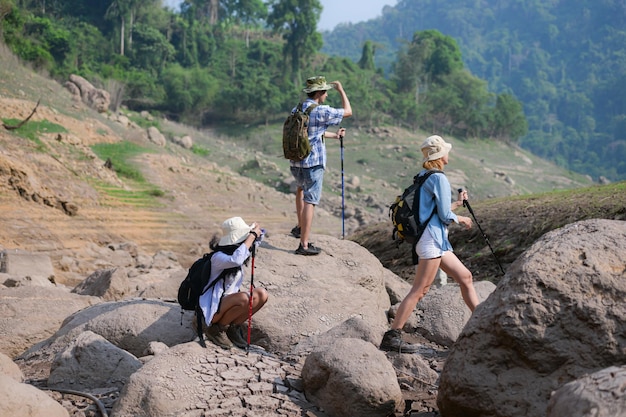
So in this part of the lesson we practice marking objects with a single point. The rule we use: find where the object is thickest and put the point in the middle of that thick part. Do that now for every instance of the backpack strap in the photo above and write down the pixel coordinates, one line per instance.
(416, 201)
(310, 108)
(199, 320)
(416, 205)
(308, 113)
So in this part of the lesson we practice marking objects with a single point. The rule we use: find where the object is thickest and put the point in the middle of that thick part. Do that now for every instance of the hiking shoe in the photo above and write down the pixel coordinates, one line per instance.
(235, 335)
(310, 250)
(295, 232)
(216, 335)
(392, 342)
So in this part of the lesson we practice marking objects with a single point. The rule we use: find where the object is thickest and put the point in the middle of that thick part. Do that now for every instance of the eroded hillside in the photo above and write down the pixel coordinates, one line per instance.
(58, 197)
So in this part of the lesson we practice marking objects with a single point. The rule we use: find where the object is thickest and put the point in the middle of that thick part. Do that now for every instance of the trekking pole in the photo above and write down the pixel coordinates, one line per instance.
(253, 249)
(467, 204)
(343, 206)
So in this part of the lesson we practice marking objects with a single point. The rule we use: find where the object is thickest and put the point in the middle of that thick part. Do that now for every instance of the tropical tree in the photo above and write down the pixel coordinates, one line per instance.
(153, 50)
(5, 9)
(119, 9)
(459, 104)
(429, 57)
(247, 12)
(297, 21)
(367, 56)
(507, 120)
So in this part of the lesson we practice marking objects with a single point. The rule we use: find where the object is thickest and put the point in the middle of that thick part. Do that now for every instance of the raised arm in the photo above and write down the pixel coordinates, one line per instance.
(345, 102)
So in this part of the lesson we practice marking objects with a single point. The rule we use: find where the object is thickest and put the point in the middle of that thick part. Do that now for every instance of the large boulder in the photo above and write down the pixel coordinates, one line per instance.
(130, 325)
(600, 394)
(91, 362)
(188, 380)
(557, 315)
(31, 314)
(96, 98)
(351, 377)
(155, 136)
(442, 313)
(111, 284)
(309, 295)
(23, 400)
(26, 268)
(9, 368)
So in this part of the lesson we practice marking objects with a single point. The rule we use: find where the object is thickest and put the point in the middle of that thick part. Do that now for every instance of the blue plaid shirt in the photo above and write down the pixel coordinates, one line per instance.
(320, 119)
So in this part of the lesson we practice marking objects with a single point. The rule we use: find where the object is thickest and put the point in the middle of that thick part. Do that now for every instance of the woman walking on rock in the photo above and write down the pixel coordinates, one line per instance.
(433, 250)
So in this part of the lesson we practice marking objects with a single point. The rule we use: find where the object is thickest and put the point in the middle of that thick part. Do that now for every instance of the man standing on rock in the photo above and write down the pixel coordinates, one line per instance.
(309, 173)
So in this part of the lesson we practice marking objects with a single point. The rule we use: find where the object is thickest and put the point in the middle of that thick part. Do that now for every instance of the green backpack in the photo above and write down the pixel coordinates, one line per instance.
(296, 144)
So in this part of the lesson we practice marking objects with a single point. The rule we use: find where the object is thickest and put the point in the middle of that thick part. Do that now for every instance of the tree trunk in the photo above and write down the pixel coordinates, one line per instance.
(122, 37)
(130, 31)
(214, 8)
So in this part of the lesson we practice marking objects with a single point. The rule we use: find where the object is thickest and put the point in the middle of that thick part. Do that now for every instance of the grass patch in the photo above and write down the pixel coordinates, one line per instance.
(142, 197)
(33, 129)
(119, 155)
(200, 150)
(143, 122)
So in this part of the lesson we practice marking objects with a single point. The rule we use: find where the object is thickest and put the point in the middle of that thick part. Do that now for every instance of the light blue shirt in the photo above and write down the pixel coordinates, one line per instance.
(320, 119)
(436, 192)
(210, 300)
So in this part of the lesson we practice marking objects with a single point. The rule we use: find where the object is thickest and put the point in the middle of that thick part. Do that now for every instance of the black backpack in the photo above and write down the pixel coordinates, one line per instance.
(296, 144)
(193, 286)
(404, 212)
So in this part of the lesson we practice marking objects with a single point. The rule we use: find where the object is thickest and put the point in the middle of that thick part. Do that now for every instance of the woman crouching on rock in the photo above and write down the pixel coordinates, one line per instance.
(433, 249)
(225, 306)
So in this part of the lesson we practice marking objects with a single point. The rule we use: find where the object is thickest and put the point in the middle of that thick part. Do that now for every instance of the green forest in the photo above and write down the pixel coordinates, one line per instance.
(564, 60)
(243, 63)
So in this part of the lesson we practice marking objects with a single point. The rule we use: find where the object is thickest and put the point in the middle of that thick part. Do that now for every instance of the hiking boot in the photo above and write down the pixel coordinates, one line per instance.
(215, 334)
(295, 232)
(310, 250)
(235, 334)
(392, 342)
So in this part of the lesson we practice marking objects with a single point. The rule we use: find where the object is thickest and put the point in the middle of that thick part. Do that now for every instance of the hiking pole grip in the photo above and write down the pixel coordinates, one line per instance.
(466, 203)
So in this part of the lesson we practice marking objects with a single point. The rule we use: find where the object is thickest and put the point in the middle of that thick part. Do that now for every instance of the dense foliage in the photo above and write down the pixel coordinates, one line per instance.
(564, 60)
(244, 62)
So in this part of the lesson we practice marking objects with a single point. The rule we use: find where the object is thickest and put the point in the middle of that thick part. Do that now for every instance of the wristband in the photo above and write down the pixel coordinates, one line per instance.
(252, 232)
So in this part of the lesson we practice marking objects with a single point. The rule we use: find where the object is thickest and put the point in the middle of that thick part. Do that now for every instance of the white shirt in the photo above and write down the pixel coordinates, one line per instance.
(210, 300)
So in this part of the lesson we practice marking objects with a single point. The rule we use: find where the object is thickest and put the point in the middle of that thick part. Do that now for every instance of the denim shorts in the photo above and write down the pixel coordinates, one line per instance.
(310, 180)
(427, 248)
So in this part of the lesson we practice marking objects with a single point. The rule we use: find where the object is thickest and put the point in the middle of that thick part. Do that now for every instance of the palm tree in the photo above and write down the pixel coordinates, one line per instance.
(119, 9)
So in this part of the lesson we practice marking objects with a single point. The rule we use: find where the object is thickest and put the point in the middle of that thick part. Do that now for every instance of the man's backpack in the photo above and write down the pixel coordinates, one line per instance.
(404, 212)
(296, 144)
(193, 286)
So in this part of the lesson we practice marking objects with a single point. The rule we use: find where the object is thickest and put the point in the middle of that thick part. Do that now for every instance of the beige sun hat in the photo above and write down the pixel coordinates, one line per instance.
(434, 147)
(317, 84)
(235, 231)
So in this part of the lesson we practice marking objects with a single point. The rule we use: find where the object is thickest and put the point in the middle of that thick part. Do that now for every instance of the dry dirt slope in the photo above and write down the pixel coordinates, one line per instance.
(198, 194)
(37, 181)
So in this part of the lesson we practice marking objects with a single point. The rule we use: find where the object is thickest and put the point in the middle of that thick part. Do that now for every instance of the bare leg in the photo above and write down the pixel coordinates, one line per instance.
(306, 223)
(452, 266)
(299, 205)
(425, 274)
(235, 307)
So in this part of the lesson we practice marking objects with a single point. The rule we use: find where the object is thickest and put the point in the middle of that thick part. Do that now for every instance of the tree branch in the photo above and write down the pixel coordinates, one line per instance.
(23, 122)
